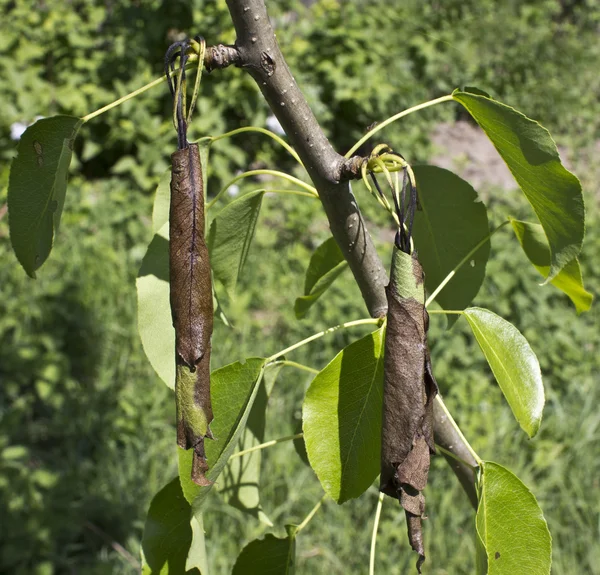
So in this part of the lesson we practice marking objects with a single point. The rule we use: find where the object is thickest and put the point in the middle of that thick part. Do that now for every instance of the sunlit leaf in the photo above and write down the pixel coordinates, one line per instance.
(197, 556)
(342, 419)
(514, 364)
(451, 222)
(511, 525)
(230, 236)
(162, 201)
(569, 280)
(233, 391)
(155, 324)
(531, 155)
(239, 481)
(37, 188)
(326, 264)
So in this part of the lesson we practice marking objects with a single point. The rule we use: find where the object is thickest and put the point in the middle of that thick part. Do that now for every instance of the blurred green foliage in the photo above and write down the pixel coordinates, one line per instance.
(86, 428)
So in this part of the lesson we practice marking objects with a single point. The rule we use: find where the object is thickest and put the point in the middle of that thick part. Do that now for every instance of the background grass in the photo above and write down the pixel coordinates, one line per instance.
(86, 427)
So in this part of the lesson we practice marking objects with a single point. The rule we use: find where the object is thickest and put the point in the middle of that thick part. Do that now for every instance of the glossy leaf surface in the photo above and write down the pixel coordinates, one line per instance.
(531, 155)
(234, 388)
(239, 482)
(569, 280)
(342, 419)
(511, 525)
(514, 365)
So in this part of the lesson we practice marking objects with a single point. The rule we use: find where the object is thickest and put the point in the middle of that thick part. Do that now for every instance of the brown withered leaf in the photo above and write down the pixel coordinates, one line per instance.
(409, 389)
(191, 305)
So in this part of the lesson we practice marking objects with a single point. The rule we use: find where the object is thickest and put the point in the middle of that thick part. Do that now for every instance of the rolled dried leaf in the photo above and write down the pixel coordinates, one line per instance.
(191, 306)
(409, 389)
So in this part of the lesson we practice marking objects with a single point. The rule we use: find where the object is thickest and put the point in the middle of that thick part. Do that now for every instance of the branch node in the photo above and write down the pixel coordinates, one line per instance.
(350, 168)
(267, 63)
(221, 56)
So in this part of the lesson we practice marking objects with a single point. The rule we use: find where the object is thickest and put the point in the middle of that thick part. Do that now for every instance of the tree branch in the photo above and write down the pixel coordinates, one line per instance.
(260, 56)
(220, 56)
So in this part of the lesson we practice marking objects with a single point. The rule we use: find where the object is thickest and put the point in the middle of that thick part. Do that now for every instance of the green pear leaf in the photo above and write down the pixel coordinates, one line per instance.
(233, 389)
(155, 324)
(197, 556)
(270, 555)
(531, 155)
(162, 202)
(451, 222)
(37, 188)
(239, 481)
(173, 541)
(569, 280)
(513, 363)
(511, 525)
(342, 419)
(230, 235)
(326, 264)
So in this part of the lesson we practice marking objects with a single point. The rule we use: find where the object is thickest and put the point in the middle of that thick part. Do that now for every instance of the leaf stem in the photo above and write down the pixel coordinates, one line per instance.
(462, 262)
(292, 192)
(275, 137)
(311, 514)
(374, 536)
(367, 321)
(201, 47)
(275, 173)
(275, 191)
(132, 94)
(446, 311)
(298, 366)
(452, 455)
(450, 419)
(387, 122)
(266, 444)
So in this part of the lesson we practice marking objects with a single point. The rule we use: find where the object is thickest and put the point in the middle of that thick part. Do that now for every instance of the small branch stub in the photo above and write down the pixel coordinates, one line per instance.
(350, 169)
(221, 56)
